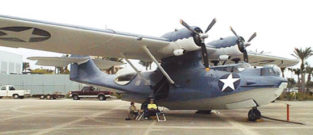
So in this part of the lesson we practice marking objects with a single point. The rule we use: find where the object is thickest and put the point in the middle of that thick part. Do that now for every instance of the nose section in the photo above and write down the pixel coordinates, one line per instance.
(281, 80)
(282, 84)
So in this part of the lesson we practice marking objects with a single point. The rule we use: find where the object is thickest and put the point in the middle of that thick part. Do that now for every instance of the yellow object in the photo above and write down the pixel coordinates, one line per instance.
(152, 106)
(207, 69)
(259, 120)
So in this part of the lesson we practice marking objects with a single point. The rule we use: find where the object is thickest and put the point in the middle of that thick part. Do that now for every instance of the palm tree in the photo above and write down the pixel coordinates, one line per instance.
(297, 72)
(146, 64)
(303, 54)
(25, 66)
(283, 71)
(291, 82)
(309, 71)
(113, 69)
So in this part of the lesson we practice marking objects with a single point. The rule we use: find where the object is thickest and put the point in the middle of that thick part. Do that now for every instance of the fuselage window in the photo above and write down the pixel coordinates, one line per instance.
(270, 72)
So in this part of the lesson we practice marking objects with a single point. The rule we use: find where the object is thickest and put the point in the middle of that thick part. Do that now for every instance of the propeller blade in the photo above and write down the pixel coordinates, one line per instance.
(211, 25)
(252, 37)
(187, 26)
(247, 44)
(245, 56)
(234, 32)
(205, 55)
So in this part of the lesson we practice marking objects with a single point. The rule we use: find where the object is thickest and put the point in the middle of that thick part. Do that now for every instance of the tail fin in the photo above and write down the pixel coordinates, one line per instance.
(89, 73)
(81, 72)
(83, 69)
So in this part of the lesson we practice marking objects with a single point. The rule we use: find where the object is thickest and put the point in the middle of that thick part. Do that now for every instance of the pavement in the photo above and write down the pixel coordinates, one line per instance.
(92, 117)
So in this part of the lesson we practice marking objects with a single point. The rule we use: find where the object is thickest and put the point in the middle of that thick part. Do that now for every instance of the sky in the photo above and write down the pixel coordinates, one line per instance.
(281, 25)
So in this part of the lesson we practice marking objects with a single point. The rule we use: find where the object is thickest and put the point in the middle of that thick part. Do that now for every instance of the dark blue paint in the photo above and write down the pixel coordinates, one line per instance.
(192, 81)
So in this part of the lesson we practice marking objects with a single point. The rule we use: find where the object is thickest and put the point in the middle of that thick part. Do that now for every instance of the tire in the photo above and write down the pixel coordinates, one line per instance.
(102, 97)
(254, 114)
(49, 97)
(42, 97)
(16, 96)
(76, 97)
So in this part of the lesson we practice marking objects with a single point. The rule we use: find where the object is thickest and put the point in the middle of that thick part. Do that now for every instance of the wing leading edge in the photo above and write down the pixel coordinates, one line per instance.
(32, 34)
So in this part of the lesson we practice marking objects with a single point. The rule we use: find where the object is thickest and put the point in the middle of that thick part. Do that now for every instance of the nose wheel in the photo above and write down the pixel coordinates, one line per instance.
(254, 114)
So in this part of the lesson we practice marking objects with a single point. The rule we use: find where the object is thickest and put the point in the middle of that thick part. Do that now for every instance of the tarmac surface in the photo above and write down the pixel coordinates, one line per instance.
(92, 117)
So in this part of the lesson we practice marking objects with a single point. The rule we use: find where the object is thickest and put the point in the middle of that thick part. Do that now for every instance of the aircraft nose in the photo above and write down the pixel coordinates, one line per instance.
(280, 81)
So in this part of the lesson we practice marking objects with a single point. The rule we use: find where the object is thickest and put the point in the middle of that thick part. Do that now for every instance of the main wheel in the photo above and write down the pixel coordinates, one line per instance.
(102, 97)
(75, 97)
(254, 114)
(16, 96)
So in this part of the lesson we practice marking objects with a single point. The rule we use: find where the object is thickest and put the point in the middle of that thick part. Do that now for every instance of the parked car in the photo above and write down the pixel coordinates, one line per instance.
(295, 90)
(54, 95)
(10, 91)
(90, 92)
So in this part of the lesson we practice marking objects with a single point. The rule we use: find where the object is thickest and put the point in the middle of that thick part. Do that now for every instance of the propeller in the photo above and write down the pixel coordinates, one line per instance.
(242, 44)
(199, 38)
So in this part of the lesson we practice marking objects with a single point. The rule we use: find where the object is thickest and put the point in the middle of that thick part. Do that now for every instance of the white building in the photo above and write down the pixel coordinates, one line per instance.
(10, 63)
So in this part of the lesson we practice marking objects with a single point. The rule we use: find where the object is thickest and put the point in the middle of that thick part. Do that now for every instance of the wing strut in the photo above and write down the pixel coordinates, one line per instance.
(138, 72)
(158, 64)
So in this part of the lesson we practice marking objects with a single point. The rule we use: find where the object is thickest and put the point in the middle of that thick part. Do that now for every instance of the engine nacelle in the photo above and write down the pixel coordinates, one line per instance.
(180, 46)
(178, 52)
(231, 51)
(223, 57)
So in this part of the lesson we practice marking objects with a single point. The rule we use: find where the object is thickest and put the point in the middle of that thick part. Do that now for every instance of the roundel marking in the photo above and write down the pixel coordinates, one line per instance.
(23, 34)
(229, 82)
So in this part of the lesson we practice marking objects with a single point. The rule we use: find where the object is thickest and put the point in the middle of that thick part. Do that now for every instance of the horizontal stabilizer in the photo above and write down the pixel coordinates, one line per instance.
(106, 64)
(64, 61)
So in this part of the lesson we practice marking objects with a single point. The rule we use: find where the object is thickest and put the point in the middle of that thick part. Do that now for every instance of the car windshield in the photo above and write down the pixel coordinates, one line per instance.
(11, 88)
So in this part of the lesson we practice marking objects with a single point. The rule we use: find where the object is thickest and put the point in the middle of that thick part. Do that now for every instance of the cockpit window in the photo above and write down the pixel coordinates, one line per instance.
(270, 71)
(233, 67)
(125, 79)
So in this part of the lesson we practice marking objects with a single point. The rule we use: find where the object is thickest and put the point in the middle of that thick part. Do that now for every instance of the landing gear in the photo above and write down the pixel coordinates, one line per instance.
(254, 114)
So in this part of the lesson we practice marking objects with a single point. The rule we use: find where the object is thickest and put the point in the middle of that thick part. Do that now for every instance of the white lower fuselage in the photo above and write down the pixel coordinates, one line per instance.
(246, 99)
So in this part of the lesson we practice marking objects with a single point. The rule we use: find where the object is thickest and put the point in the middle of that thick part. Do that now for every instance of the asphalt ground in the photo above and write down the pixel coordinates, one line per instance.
(92, 117)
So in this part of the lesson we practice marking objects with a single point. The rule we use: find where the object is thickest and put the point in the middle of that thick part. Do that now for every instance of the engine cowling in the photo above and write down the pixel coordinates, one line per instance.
(181, 46)
(182, 41)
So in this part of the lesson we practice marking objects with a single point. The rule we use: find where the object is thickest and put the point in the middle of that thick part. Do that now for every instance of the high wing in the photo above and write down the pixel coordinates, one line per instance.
(263, 59)
(64, 61)
(259, 59)
(32, 34)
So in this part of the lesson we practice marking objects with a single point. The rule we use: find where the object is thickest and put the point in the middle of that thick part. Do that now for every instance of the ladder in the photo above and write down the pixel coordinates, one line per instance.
(160, 117)
(139, 116)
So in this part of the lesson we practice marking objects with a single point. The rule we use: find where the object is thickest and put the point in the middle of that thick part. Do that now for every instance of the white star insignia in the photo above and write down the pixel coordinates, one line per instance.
(229, 82)
(25, 35)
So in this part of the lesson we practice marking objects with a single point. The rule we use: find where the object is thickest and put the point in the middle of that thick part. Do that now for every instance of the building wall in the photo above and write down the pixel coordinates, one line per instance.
(10, 63)
(41, 84)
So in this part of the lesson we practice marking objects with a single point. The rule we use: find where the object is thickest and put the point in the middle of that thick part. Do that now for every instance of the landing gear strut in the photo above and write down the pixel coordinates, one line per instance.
(203, 112)
(254, 114)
